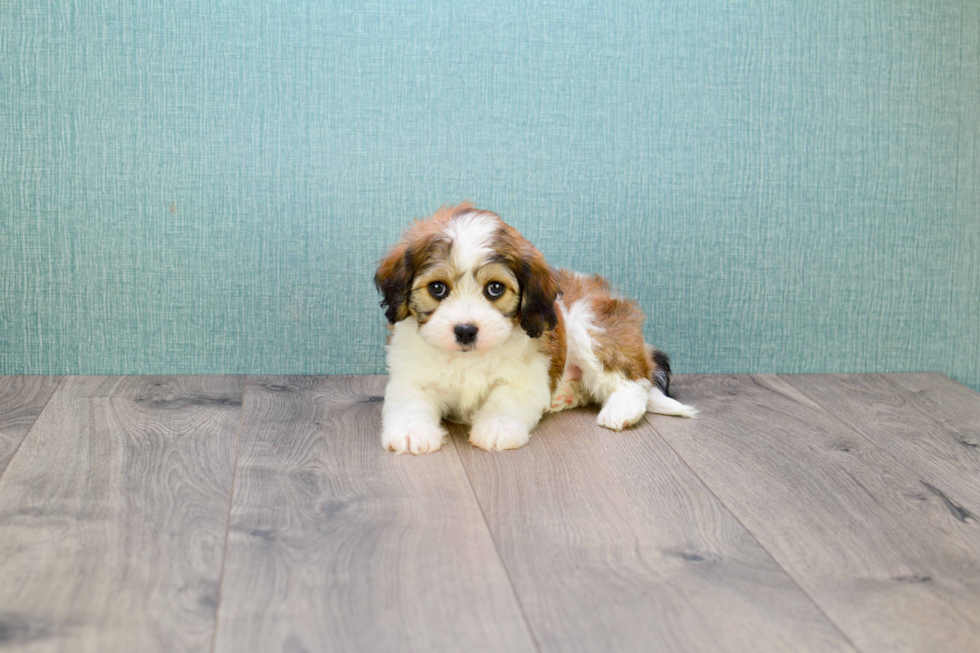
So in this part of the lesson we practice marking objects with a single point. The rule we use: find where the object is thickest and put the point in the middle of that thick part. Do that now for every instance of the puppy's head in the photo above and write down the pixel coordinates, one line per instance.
(468, 279)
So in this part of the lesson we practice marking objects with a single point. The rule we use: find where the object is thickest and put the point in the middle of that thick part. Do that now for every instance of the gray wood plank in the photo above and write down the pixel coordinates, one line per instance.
(614, 544)
(885, 557)
(338, 545)
(113, 516)
(888, 415)
(952, 404)
(21, 400)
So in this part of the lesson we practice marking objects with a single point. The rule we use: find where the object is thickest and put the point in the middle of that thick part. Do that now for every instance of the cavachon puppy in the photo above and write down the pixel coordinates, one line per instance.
(484, 332)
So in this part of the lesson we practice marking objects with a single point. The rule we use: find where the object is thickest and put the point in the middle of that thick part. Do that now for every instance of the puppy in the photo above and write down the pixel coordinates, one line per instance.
(483, 332)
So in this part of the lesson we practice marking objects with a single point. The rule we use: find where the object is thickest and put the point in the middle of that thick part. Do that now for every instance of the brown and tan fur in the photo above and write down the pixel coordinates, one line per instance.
(471, 285)
(552, 344)
(421, 257)
(619, 343)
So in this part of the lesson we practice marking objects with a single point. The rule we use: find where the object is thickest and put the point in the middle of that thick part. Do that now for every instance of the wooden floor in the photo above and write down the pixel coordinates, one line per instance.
(800, 513)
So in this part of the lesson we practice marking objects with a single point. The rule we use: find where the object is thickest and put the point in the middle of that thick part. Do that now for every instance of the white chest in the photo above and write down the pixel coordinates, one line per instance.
(462, 382)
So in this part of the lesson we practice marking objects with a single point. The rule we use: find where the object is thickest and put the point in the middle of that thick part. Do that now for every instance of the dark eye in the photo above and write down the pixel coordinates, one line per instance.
(495, 289)
(438, 289)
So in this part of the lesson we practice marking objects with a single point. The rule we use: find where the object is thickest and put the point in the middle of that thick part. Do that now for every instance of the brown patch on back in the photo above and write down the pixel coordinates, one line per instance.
(552, 344)
(577, 286)
(619, 346)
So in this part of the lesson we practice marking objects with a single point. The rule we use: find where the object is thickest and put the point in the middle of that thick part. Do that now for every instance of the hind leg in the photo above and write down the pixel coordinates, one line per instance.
(605, 340)
(570, 392)
(624, 402)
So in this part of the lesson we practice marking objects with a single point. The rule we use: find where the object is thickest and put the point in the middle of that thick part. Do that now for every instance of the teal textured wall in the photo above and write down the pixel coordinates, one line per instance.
(205, 186)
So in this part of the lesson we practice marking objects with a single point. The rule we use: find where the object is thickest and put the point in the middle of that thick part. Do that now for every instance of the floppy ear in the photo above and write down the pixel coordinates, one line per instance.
(394, 280)
(539, 291)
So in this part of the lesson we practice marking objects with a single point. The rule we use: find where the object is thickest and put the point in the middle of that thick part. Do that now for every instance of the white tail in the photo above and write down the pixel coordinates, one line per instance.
(660, 403)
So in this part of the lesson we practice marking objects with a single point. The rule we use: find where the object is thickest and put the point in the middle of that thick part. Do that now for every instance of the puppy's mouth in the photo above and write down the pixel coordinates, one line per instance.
(465, 348)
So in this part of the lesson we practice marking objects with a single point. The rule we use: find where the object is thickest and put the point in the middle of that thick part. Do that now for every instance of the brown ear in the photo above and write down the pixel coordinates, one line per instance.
(539, 291)
(394, 280)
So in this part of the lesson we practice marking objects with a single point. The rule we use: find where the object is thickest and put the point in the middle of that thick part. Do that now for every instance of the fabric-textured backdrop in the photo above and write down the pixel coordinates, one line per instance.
(193, 187)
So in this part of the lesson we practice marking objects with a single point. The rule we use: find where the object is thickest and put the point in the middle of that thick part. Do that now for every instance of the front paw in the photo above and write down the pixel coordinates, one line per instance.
(413, 436)
(497, 433)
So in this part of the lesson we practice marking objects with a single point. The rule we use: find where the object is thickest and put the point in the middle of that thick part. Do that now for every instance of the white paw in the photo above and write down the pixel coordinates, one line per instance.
(568, 394)
(620, 412)
(498, 433)
(414, 436)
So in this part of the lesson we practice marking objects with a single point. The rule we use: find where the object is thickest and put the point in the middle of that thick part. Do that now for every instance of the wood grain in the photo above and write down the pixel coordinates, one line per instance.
(614, 545)
(908, 427)
(799, 513)
(884, 555)
(113, 516)
(338, 545)
(953, 405)
(22, 398)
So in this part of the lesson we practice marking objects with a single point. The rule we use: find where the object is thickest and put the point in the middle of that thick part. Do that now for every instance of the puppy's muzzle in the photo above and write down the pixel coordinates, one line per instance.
(465, 333)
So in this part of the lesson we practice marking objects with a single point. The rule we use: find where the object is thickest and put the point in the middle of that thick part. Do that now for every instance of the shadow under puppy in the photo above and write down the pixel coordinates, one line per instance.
(484, 332)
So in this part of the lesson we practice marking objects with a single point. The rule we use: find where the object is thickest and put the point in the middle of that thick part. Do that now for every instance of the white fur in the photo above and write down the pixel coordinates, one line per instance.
(471, 234)
(471, 237)
(500, 384)
(502, 392)
(570, 393)
(466, 305)
(600, 383)
(660, 403)
(624, 402)
(625, 406)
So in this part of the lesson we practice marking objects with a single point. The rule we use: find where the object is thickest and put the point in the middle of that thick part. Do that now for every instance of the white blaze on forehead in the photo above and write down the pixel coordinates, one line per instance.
(472, 237)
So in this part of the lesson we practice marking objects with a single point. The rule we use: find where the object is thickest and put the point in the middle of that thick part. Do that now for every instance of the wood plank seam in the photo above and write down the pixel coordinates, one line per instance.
(111, 515)
(751, 534)
(496, 549)
(231, 505)
(31, 429)
(628, 551)
(335, 544)
(915, 405)
(857, 529)
(955, 507)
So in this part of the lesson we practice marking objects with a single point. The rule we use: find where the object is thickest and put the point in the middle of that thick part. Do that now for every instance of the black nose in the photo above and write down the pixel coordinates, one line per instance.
(465, 333)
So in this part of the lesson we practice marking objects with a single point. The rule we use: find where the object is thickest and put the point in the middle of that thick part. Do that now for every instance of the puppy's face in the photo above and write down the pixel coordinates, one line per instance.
(469, 280)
